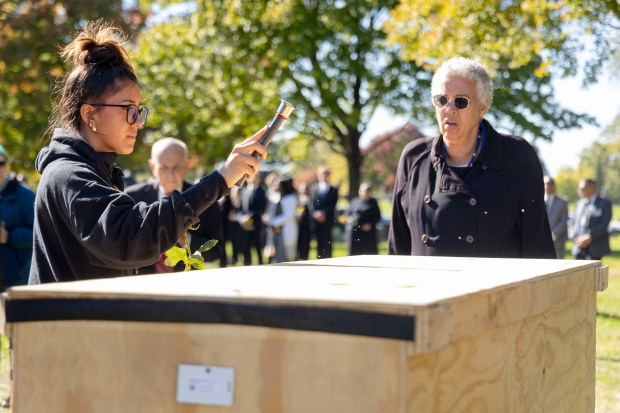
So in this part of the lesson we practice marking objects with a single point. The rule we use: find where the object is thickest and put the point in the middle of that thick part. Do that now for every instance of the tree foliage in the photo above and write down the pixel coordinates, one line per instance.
(332, 59)
(601, 162)
(506, 35)
(566, 183)
(202, 88)
(522, 42)
(382, 155)
(31, 33)
(329, 58)
(214, 74)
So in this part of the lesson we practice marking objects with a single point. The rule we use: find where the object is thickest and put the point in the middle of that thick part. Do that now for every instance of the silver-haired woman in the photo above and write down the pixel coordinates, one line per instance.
(471, 191)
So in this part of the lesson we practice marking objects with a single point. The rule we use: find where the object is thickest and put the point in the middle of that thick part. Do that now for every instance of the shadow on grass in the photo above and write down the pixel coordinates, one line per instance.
(612, 259)
(609, 316)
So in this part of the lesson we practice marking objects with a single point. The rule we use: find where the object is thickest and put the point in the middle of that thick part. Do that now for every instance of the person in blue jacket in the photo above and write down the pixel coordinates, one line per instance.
(16, 220)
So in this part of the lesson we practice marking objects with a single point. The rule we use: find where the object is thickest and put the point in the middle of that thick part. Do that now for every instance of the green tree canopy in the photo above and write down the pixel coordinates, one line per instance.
(329, 58)
(522, 42)
(215, 74)
(200, 87)
(31, 33)
(332, 59)
(507, 35)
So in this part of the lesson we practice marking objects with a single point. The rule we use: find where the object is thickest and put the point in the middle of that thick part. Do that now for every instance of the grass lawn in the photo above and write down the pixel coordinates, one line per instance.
(607, 335)
(5, 369)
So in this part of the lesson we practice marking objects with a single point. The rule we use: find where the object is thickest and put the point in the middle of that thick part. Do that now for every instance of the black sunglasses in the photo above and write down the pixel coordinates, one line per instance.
(2, 163)
(133, 112)
(460, 102)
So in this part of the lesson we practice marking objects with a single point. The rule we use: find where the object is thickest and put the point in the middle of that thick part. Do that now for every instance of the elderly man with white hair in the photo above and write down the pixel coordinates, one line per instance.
(169, 164)
(471, 191)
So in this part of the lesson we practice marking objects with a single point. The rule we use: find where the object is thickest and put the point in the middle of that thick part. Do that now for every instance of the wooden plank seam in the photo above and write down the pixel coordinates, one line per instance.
(601, 278)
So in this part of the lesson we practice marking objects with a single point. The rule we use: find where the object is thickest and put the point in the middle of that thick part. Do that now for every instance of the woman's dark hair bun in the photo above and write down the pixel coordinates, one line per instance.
(99, 43)
(104, 53)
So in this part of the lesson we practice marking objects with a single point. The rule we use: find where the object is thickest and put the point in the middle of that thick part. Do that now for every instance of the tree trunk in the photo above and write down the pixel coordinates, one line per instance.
(354, 160)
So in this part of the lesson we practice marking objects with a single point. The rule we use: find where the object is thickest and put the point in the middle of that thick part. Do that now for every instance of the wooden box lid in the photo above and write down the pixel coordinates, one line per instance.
(420, 299)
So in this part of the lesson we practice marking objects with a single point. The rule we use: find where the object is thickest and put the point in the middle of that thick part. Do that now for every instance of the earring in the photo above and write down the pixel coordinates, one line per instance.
(92, 127)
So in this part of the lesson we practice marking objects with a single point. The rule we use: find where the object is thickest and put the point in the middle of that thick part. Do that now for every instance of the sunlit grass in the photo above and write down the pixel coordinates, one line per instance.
(608, 337)
(5, 368)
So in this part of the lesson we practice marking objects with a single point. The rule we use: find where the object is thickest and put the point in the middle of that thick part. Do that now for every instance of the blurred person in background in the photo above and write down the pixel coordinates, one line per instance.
(589, 230)
(231, 206)
(16, 222)
(273, 198)
(471, 191)
(169, 164)
(557, 212)
(362, 217)
(253, 203)
(303, 221)
(283, 223)
(324, 200)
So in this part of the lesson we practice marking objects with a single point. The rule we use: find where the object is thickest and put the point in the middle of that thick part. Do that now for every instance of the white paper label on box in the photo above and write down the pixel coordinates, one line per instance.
(212, 385)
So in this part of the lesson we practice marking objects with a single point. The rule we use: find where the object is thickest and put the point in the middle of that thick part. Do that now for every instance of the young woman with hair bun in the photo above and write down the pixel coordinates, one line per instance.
(85, 226)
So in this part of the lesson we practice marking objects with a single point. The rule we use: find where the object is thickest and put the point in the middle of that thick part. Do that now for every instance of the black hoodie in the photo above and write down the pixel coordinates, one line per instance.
(86, 227)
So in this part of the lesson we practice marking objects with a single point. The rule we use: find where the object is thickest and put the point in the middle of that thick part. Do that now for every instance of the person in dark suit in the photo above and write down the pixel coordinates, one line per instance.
(231, 207)
(557, 212)
(324, 199)
(303, 219)
(253, 203)
(363, 215)
(169, 163)
(589, 229)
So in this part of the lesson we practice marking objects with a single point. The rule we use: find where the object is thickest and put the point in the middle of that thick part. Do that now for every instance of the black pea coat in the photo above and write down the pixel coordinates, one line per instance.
(358, 213)
(325, 202)
(496, 210)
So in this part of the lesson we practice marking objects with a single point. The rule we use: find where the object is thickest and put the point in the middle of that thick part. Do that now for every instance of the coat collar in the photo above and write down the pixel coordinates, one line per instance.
(491, 155)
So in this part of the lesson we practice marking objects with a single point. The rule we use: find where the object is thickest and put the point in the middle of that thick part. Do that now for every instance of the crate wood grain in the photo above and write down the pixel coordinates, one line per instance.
(354, 334)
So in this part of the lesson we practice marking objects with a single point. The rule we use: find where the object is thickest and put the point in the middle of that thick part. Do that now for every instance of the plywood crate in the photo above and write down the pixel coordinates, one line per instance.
(355, 334)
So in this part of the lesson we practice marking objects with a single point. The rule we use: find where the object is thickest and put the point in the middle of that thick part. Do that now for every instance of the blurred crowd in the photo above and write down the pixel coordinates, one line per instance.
(271, 218)
(274, 219)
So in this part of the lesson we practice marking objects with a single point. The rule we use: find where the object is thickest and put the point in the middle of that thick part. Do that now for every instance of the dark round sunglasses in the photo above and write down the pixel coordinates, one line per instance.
(133, 112)
(460, 102)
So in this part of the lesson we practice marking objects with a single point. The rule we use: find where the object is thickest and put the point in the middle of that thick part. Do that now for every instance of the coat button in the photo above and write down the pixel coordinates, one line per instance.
(469, 239)
(427, 199)
(485, 165)
(424, 238)
(472, 201)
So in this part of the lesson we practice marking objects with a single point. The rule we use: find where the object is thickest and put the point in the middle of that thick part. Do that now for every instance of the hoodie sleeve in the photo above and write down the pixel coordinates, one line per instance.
(118, 233)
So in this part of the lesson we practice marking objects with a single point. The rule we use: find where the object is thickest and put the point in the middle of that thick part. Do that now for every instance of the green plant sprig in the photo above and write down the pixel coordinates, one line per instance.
(196, 260)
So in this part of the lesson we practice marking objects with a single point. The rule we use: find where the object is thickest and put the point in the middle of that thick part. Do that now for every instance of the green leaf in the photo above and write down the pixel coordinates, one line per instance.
(174, 255)
(197, 261)
(207, 245)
